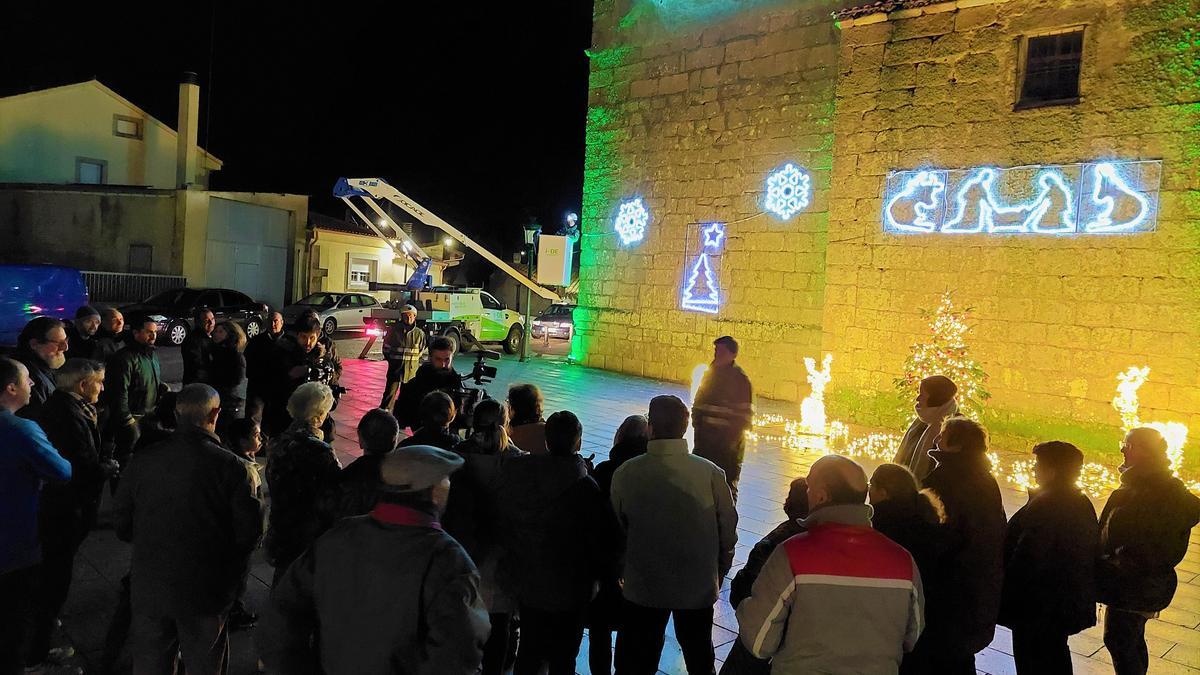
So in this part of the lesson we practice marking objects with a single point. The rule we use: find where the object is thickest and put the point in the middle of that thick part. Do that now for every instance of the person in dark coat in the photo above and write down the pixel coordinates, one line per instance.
(471, 517)
(111, 335)
(244, 439)
(436, 374)
(562, 538)
(68, 510)
(359, 482)
(437, 414)
(289, 366)
(722, 412)
(1049, 564)
(42, 347)
(388, 592)
(935, 403)
(27, 460)
(81, 334)
(228, 374)
(132, 384)
(1144, 531)
(740, 661)
(963, 602)
(259, 351)
(604, 614)
(196, 349)
(302, 477)
(187, 507)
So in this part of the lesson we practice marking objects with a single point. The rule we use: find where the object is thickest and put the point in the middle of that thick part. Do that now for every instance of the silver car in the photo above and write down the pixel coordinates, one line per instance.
(344, 311)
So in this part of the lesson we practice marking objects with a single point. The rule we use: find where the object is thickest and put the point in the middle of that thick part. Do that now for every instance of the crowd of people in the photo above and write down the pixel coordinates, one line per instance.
(490, 544)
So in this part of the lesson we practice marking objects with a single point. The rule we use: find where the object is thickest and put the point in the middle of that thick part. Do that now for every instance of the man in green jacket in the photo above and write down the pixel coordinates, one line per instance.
(131, 386)
(681, 528)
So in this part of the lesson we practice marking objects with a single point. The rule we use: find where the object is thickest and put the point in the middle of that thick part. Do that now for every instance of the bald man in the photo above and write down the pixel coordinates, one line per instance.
(838, 562)
(1144, 530)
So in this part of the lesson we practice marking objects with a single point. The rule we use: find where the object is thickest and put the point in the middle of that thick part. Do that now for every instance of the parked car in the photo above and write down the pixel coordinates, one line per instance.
(173, 310)
(558, 321)
(30, 291)
(335, 310)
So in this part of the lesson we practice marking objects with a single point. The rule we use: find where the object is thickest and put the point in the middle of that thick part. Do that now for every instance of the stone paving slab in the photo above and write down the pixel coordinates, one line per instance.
(602, 400)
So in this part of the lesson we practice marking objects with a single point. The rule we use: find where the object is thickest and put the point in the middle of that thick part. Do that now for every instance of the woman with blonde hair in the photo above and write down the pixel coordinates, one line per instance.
(302, 477)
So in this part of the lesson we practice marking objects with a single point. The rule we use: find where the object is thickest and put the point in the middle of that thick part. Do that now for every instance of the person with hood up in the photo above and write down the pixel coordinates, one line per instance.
(935, 403)
(1049, 564)
(963, 601)
(562, 539)
(1144, 531)
(388, 592)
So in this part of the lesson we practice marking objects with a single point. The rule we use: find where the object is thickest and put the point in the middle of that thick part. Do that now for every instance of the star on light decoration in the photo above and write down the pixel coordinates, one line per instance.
(631, 221)
(788, 190)
(713, 234)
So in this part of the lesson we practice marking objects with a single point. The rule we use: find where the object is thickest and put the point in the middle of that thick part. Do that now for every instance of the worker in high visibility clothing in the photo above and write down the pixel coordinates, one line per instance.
(403, 347)
(722, 412)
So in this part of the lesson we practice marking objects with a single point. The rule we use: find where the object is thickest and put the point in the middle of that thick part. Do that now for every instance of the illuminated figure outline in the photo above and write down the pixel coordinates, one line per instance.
(1102, 222)
(991, 205)
(630, 223)
(921, 179)
(711, 238)
(788, 191)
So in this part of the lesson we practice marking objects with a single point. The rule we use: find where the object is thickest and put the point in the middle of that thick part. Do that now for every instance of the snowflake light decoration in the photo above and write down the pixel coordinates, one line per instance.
(631, 221)
(788, 191)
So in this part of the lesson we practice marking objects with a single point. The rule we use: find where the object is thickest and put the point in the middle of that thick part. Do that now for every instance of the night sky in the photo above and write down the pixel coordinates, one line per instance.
(474, 109)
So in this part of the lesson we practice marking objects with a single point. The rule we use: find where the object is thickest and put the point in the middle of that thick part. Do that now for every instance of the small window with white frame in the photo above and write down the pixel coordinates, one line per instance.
(127, 127)
(89, 171)
(360, 273)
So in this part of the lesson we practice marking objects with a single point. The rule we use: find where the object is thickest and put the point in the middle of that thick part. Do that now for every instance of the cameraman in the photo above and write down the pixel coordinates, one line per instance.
(436, 374)
(296, 356)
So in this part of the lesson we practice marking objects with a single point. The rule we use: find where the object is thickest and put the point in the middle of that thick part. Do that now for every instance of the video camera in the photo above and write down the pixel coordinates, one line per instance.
(324, 372)
(466, 398)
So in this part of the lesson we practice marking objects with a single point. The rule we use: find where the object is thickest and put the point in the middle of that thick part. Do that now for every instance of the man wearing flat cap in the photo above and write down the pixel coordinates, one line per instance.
(388, 592)
(403, 347)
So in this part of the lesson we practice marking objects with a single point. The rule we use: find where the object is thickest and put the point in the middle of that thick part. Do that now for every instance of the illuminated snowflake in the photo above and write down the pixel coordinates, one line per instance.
(631, 221)
(787, 191)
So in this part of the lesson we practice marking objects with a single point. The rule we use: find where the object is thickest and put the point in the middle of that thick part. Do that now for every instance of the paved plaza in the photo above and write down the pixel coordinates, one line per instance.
(602, 400)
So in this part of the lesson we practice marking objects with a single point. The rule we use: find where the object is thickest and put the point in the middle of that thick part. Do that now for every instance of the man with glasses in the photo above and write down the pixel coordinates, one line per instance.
(42, 347)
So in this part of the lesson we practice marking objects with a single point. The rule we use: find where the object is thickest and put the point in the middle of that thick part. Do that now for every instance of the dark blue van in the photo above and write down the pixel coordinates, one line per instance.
(28, 291)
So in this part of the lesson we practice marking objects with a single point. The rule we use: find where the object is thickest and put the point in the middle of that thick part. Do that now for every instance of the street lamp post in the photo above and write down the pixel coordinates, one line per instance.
(531, 232)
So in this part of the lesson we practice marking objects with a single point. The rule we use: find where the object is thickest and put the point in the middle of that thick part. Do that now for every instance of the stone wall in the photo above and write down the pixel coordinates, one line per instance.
(693, 115)
(692, 118)
(1056, 318)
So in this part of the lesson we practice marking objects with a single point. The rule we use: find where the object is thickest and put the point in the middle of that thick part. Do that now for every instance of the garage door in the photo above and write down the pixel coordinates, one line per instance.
(248, 249)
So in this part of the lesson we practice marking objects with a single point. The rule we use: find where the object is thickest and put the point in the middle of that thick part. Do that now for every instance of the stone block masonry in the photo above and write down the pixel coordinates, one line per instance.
(692, 110)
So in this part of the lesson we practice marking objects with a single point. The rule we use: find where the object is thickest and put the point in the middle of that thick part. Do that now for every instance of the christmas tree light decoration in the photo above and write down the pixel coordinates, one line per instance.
(945, 352)
(1103, 173)
(701, 292)
(1070, 199)
(1127, 406)
(874, 446)
(812, 408)
(631, 221)
(788, 190)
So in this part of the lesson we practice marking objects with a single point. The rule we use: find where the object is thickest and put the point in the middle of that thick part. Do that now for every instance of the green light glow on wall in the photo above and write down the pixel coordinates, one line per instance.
(680, 12)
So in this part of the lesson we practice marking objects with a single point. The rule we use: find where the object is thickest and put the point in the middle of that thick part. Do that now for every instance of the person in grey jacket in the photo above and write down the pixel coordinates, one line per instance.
(681, 528)
(388, 592)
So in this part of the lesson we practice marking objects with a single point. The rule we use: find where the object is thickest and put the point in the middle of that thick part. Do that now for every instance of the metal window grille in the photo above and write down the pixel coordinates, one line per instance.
(1052, 65)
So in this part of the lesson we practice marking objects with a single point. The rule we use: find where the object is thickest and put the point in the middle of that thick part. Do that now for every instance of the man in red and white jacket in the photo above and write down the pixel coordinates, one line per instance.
(839, 597)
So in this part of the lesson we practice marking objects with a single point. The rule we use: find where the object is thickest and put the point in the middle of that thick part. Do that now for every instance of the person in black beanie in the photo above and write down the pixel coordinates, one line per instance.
(82, 333)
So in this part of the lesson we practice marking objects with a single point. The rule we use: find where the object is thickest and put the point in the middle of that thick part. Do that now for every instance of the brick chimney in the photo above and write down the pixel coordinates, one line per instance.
(187, 153)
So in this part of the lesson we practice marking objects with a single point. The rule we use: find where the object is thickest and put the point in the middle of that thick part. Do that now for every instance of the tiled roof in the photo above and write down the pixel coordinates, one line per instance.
(881, 6)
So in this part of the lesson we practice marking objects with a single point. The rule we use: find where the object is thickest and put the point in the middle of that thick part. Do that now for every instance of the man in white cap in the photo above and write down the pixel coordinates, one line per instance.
(385, 592)
(403, 347)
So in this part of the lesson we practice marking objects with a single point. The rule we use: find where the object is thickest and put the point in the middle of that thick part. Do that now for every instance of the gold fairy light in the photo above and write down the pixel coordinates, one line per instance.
(1127, 406)
(812, 408)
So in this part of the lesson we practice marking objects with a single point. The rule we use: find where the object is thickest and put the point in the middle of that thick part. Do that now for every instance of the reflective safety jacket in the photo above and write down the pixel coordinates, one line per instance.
(403, 347)
(723, 408)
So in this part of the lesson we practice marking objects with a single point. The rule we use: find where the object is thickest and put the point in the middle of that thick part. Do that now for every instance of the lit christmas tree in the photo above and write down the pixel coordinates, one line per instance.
(945, 353)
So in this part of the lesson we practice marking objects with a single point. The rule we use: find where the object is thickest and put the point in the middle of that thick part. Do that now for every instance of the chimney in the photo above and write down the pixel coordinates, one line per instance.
(186, 152)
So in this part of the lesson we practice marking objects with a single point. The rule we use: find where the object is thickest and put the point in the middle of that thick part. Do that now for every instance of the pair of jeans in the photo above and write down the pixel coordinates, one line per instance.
(643, 630)
(551, 638)
(1125, 638)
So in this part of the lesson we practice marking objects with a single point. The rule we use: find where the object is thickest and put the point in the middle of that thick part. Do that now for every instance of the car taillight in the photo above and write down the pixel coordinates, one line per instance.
(374, 332)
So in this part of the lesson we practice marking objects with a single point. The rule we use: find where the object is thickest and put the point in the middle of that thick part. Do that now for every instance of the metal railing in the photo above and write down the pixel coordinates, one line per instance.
(124, 287)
